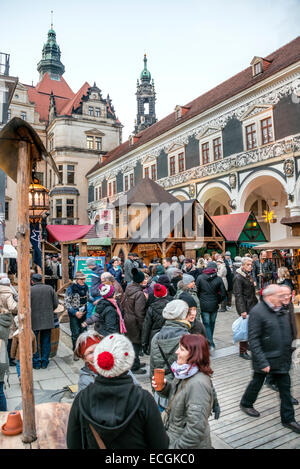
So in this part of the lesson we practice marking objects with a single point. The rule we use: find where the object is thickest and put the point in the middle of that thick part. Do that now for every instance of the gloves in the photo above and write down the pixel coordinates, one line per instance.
(216, 409)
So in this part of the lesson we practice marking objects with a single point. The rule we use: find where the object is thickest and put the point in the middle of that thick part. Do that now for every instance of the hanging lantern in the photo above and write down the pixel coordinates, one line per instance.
(38, 200)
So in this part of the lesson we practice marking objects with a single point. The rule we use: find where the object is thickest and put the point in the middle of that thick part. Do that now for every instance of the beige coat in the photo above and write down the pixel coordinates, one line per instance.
(222, 272)
(7, 302)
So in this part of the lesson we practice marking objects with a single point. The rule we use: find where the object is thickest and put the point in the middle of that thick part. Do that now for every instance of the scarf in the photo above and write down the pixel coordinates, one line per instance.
(123, 329)
(184, 371)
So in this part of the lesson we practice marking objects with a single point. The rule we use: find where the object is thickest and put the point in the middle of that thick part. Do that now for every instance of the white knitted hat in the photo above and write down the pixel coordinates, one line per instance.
(176, 309)
(113, 356)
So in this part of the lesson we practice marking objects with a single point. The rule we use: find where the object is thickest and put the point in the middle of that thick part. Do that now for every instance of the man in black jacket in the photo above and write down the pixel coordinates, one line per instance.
(211, 292)
(270, 339)
(245, 297)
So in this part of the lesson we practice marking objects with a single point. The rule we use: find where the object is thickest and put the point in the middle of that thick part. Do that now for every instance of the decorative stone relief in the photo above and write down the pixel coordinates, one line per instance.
(289, 167)
(192, 191)
(232, 180)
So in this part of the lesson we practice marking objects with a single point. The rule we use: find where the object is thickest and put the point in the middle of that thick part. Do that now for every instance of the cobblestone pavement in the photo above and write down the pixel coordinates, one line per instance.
(234, 429)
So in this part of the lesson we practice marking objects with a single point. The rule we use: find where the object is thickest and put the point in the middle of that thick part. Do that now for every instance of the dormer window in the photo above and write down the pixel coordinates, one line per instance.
(259, 65)
(180, 111)
(133, 139)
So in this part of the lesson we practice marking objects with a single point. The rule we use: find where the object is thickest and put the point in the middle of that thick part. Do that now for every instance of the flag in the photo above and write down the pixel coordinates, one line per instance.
(35, 239)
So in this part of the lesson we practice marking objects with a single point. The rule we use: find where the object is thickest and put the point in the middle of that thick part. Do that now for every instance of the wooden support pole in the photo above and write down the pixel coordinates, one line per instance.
(24, 312)
(65, 263)
(43, 261)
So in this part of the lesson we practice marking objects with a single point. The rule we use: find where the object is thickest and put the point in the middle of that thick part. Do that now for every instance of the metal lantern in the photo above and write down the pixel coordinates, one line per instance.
(38, 200)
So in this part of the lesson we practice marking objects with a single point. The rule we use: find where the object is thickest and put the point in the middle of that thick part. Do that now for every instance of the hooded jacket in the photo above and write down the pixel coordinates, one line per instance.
(211, 290)
(7, 302)
(96, 280)
(135, 311)
(123, 414)
(106, 318)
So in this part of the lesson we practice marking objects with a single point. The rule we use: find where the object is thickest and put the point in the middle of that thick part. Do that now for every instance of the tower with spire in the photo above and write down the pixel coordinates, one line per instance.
(146, 98)
(51, 57)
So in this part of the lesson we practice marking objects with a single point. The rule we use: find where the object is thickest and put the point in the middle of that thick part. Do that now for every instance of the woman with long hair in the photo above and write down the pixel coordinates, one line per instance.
(190, 395)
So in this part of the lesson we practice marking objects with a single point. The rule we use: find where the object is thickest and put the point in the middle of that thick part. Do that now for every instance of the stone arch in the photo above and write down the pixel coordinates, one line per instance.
(214, 199)
(266, 191)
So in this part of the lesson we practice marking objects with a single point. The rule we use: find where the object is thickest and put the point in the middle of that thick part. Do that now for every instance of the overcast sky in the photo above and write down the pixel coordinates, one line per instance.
(192, 45)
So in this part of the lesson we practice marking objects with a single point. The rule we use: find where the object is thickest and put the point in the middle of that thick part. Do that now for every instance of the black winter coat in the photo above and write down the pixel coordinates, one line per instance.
(43, 301)
(154, 320)
(106, 318)
(211, 291)
(270, 338)
(244, 292)
(126, 417)
(197, 328)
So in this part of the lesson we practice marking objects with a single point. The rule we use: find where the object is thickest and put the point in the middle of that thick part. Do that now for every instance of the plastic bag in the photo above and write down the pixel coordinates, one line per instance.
(240, 330)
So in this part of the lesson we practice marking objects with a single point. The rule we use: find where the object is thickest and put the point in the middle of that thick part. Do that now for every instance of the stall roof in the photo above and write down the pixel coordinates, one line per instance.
(15, 131)
(285, 243)
(231, 225)
(146, 192)
(63, 233)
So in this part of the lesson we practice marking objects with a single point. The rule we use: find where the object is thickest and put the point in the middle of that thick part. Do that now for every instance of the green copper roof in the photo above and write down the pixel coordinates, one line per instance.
(145, 75)
(51, 57)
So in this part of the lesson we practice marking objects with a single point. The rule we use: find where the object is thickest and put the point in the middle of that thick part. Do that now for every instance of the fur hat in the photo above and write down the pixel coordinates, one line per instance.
(187, 278)
(79, 275)
(137, 275)
(106, 291)
(176, 309)
(113, 356)
(160, 291)
(187, 298)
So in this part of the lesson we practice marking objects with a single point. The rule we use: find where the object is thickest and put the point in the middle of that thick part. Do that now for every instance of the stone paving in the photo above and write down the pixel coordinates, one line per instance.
(234, 429)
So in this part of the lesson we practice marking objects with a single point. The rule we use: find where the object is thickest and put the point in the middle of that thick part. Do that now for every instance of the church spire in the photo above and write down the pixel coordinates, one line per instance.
(51, 57)
(146, 98)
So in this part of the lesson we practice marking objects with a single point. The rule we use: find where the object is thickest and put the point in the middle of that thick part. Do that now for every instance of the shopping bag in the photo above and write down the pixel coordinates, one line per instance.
(240, 330)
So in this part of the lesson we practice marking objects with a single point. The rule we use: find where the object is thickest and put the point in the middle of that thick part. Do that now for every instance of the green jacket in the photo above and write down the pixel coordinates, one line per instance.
(190, 406)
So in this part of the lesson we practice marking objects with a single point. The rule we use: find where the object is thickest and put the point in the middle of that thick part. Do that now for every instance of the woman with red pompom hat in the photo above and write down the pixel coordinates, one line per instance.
(114, 413)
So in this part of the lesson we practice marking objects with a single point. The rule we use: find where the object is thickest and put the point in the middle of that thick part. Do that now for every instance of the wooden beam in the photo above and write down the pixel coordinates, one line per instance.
(24, 311)
(170, 245)
(65, 263)
(83, 249)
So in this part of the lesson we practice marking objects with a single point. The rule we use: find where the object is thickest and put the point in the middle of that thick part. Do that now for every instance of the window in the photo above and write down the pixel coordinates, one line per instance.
(126, 179)
(70, 208)
(8, 114)
(131, 180)
(146, 172)
(58, 208)
(98, 112)
(90, 142)
(181, 162)
(257, 68)
(61, 172)
(172, 165)
(50, 178)
(251, 141)
(98, 193)
(91, 111)
(98, 142)
(6, 210)
(23, 116)
(266, 130)
(70, 174)
(205, 153)
(153, 172)
(217, 148)
(112, 188)
(51, 144)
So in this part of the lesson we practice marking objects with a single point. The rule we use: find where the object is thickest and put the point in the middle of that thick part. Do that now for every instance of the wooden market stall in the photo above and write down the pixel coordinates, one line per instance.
(20, 149)
(152, 222)
(241, 231)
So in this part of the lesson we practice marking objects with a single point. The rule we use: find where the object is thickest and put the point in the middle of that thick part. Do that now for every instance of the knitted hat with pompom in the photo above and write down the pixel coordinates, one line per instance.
(113, 356)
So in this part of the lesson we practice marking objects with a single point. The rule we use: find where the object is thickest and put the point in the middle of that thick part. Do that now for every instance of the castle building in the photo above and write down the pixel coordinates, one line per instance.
(78, 129)
(236, 148)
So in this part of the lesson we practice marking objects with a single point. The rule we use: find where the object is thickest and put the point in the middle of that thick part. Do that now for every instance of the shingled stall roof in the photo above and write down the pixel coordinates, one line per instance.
(280, 59)
(231, 225)
(146, 192)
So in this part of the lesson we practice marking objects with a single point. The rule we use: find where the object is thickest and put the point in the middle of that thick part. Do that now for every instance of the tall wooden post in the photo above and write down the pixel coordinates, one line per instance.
(24, 312)
(65, 263)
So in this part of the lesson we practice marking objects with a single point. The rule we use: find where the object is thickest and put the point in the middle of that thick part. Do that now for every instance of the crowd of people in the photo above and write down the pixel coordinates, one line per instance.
(167, 310)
